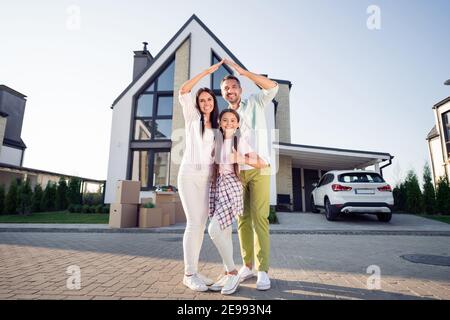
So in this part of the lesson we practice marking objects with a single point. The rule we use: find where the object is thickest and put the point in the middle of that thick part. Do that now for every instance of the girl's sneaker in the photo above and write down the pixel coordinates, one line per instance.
(231, 284)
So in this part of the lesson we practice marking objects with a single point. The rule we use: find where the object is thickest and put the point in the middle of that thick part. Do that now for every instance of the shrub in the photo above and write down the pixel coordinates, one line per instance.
(85, 208)
(272, 215)
(413, 193)
(73, 192)
(61, 200)
(24, 198)
(429, 195)
(2, 199)
(48, 199)
(149, 205)
(91, 198)
(399, 194)
(106, 208)
(36, 199)
(99, 208)
(443, 196)
(11, 198)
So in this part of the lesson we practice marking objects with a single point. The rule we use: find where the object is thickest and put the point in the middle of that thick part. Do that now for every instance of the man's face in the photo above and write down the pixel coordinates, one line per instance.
(231, 91)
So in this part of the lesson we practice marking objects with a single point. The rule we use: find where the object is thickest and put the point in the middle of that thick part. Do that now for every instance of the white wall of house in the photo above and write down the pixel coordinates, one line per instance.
(10, 155)
(200, 59)
(437, 145)
(436, 158)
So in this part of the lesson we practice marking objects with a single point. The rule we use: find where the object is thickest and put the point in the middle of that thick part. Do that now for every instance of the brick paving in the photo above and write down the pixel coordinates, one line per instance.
(150, 266)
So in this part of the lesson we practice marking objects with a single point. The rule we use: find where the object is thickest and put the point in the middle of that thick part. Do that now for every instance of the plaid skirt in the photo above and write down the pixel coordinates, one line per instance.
(226, 199)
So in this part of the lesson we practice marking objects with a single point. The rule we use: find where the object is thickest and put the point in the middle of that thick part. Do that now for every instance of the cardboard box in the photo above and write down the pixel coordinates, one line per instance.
(127, 192)
(150, 217)
(180, 216)
(166, 197)
(165, 219)
(169, 209)
(123, 215)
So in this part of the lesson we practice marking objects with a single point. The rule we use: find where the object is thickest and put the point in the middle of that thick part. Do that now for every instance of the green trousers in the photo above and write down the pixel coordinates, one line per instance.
(253, 225)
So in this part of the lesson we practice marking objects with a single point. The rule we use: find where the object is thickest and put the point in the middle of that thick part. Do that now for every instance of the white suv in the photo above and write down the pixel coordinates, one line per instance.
(353, 191)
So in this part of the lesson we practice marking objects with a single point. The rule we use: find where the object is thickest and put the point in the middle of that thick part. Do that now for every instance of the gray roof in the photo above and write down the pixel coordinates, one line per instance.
(440, 103)
(433, 133)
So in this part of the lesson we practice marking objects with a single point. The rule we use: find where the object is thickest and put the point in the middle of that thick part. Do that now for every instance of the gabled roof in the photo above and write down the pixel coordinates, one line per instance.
(440, 103)
(12, 91)
(192, 18)
(433, 133)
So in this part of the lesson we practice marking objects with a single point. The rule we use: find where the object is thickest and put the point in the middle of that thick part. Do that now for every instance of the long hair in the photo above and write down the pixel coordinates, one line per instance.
(213, 116)
(219, 143)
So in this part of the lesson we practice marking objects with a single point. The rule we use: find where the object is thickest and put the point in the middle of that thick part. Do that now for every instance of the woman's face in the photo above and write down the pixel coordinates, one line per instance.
(229, 122)
(205, 102)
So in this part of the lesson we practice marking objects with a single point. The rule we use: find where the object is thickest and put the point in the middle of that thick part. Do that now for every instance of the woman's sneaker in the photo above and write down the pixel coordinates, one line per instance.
(231, 284)
(263, 282)
(218, 285)
(245, 273)
(194, 283)
(205, 279)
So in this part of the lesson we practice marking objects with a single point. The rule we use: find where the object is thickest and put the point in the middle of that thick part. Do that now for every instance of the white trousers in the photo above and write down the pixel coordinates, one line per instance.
(223, 241)
(194, 195)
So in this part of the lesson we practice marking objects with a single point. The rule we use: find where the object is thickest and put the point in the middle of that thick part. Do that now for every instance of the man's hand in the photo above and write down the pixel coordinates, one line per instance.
(215, 67)
(236, 67)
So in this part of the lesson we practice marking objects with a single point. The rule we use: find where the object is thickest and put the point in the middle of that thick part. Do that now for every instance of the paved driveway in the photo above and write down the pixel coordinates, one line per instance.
(150, 266)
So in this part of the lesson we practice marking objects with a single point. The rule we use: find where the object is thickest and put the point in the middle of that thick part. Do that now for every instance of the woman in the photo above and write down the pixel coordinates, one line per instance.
(225, 196)
(195, 172)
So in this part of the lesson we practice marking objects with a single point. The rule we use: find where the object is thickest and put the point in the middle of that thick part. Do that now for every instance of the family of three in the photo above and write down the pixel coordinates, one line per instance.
(223, 178)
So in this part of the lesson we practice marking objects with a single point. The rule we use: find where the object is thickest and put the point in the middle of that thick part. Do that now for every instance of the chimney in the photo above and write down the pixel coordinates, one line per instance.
(142, 60)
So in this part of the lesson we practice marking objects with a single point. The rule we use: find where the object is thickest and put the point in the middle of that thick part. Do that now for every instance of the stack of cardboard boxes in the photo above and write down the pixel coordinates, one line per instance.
(123, 212)
(128, 212)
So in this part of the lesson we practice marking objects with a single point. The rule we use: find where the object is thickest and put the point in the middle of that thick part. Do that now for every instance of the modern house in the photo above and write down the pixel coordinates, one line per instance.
(12, 147)
(439, 141)
(148, 126)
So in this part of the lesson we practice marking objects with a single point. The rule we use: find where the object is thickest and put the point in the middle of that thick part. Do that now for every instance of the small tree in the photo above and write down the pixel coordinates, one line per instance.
(62, 201)
(399, 194)
(2, 199)
(24, 195)
(413, 193)
(74, 194)
(48, 199)
(11, 198)
(443, 196)
(429, 194)
(36, 200)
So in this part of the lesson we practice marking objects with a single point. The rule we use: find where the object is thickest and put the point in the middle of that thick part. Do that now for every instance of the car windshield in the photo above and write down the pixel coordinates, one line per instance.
(355, 177)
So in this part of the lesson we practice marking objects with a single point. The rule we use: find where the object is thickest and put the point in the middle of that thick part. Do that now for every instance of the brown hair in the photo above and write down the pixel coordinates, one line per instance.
(219, 141)
(230, 77)
(213, 116)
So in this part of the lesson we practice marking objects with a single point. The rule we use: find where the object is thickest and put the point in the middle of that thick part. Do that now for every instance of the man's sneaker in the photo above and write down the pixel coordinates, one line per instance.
(194, 283)
(205, 279)
(231, 284)
(245, 273)
(218, 285)
(263, 282)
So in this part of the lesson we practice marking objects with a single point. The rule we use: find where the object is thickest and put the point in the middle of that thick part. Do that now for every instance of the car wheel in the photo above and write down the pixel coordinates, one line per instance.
(330, 213)
(313, 206)
(384, 217)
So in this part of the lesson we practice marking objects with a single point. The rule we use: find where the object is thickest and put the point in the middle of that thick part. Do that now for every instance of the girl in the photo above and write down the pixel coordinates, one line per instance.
(225, 195)
(195, 172)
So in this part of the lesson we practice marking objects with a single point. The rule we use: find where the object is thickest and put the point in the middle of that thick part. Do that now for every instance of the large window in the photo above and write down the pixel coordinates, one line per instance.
(150, 150)
(446, 127)
(153, 115)
(216, 78)
(151, 167)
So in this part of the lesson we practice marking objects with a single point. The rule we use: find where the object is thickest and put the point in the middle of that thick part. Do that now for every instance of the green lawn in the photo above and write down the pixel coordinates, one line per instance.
(56, 217)
(445, 219)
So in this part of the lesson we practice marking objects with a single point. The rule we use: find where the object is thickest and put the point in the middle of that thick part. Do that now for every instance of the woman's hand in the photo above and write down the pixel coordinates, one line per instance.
(235, 66)
(215, 67)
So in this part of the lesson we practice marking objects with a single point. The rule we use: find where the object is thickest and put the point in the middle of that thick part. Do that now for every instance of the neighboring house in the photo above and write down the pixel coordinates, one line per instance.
(12, 147)
(148, 125)
(439, 141)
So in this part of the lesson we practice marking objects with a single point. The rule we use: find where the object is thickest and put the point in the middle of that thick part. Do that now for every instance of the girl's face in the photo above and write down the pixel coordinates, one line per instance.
(229, 123)
(205, 102)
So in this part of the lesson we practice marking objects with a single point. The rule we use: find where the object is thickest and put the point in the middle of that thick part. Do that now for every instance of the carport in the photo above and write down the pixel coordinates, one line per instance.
(302, 165)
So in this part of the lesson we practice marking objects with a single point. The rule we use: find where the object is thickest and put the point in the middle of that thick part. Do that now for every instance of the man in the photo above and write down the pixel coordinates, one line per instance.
(253, 226)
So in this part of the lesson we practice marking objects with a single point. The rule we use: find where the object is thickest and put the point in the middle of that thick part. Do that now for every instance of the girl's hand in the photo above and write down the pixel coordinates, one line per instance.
(215, 67)
(236, 157)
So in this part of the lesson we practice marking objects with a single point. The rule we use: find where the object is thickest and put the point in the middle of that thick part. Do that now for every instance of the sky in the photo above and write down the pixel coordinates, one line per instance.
(362, 79)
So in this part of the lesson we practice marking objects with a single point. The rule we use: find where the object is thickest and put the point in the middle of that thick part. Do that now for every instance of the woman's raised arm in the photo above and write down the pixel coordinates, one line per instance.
(188, 85)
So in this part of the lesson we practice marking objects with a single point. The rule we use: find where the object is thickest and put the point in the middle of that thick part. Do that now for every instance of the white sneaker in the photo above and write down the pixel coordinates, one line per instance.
(231, 284)
(218, 285)
(245, 273)
(263, 282)
(194, 283)
(205, 279)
